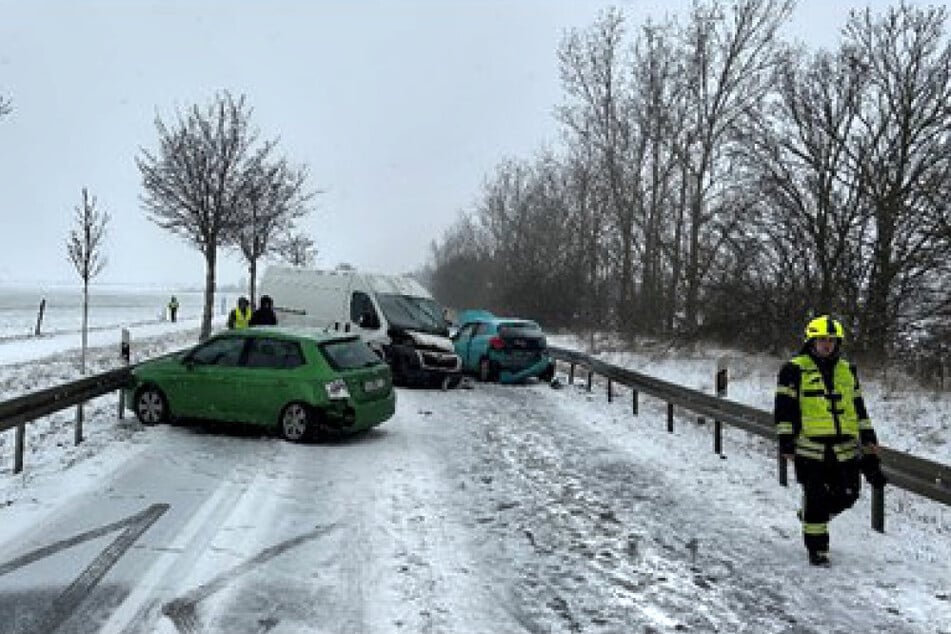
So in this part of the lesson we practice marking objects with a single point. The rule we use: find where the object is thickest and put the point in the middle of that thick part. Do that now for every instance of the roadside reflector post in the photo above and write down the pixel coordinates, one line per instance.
(571, 374)
(878, 509)
(125, 353)
(781, 463)
(610, 394)
(634, 402)
(670, 418)
(39, 318)
(590, 375)
(18, 451)
(720, 383)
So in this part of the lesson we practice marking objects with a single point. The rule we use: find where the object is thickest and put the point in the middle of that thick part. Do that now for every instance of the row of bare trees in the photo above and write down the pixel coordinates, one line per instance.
(211, 182)
(214, 183)
(717, 182)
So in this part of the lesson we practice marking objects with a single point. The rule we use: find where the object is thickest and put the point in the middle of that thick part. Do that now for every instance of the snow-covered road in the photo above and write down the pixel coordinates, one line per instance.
(492, 509)
(496, 509)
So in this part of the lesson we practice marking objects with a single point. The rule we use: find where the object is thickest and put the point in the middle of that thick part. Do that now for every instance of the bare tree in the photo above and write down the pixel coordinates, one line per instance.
(728, 61)
(659, 112)
(807, 191)
(901, 154)
(297, 249)
(274, 199)
(84, 249)
(197, 181)
(600, 113)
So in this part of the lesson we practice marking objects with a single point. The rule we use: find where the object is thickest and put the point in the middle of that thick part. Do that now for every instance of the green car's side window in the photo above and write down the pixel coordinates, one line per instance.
(273, 353)
(225, 351)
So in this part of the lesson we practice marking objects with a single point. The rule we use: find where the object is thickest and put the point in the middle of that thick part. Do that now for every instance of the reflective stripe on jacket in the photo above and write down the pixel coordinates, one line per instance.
(824, 412)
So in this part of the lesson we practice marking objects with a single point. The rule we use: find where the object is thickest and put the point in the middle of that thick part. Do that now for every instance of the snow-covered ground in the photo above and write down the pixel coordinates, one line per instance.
(491, 509)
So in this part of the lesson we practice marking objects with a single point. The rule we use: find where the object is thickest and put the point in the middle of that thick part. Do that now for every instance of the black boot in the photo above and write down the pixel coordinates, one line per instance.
(818, 558)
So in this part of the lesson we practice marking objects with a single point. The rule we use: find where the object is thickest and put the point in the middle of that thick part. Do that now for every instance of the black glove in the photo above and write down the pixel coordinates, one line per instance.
(872, 470)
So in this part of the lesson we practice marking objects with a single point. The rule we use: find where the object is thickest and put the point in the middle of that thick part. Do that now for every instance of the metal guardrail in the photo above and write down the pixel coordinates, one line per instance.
(28, 407)
(918, 475)
(19, 411)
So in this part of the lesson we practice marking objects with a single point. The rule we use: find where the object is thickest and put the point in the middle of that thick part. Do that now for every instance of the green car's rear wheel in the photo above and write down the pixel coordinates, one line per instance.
(296, 422)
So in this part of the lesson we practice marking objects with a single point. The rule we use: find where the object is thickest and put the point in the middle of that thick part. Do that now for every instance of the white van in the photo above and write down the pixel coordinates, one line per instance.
(395, 314)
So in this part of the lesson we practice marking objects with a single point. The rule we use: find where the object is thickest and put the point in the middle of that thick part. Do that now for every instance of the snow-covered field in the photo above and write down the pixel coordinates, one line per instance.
(491, 509)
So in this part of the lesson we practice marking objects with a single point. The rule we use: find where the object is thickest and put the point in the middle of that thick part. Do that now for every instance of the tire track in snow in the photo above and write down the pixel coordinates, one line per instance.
(598, 552)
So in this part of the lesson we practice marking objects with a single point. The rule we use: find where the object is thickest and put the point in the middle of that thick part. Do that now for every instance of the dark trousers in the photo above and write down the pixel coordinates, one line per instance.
(828, 487)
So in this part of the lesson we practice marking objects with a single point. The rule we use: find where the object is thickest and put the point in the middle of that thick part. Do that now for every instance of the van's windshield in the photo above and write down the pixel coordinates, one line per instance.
(413, 313)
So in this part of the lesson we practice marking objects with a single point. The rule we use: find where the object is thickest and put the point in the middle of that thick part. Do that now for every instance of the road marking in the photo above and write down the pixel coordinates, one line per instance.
(182, 610)
(63, 606)
(140, 601)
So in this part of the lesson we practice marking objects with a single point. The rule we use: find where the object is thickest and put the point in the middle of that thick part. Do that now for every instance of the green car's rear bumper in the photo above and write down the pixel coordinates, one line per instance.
(355, 417)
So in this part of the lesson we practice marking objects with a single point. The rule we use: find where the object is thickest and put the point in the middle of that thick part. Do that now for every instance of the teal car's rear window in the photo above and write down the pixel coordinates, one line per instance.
(519, 328)
(349, 354)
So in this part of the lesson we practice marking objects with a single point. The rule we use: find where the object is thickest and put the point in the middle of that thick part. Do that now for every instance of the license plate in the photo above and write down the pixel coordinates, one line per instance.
(374, 384)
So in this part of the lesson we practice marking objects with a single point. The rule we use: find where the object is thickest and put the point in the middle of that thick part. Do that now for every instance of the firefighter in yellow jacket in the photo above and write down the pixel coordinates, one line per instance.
(824, 428)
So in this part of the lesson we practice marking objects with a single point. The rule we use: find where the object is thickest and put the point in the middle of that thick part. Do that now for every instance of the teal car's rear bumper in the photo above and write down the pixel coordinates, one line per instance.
(538, 369)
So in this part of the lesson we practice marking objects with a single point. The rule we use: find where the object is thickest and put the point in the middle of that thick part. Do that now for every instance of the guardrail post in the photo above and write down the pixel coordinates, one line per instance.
(610, 395)
(670, 418)
(18, 451)
(781, 465)
(78, 436)
(590, 375)
(571, 374)
(634, 402)
(878, 509)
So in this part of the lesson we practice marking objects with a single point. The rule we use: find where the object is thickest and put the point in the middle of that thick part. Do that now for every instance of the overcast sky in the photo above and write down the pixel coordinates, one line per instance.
(400, 109)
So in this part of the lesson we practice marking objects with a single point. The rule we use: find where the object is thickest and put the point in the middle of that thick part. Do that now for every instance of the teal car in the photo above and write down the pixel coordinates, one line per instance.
(504, 349)
(300, 383)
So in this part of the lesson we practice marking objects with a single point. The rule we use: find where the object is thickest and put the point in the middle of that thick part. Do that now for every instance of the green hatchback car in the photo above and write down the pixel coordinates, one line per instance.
(301, 383)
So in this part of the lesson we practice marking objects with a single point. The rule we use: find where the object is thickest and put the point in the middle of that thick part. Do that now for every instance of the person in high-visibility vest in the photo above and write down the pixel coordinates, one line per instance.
(824, 428)
(240, 316)
(173, 308)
